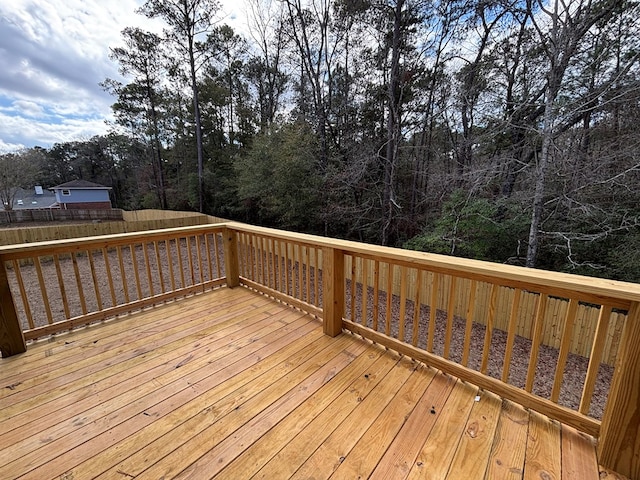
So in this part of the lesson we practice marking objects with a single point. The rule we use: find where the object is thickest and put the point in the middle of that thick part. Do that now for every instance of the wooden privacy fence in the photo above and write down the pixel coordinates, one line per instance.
(136, 221)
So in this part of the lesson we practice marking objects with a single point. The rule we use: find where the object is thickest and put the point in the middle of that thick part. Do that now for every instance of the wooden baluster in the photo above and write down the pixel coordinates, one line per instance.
(300, 282)
(136, 271)
(468, 329)
(595, 358)
(619, 444)
(333, 289)
(387, 317)
(83, 303)
(433, 309)
(107, 267)
(216, 250)
(511, 335)
(94, 277)
(416, 309)
(307, 270)
(486, 350)
(565, 345)
(23, 294)
(535, 341)
(43, 290)
(183, 282)
(123, 275)
(277, 266)
(167, 248)
(450, 308)
(11, 337)
(190, 256)
(148, 268)
(353, 288)
(207, 249)
(63, 292)
(376, 293)
(403, 303)
(286, 269)
(198, 246)
(365, 290)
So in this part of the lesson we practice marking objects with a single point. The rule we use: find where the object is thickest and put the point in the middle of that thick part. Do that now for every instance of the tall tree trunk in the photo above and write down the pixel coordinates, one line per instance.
(393, 128)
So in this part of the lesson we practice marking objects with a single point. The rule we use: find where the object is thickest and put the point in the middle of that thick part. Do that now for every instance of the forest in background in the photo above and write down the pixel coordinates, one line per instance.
(498, 130)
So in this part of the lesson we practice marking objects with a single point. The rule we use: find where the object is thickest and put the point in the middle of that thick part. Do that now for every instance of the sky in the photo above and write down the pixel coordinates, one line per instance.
(53, 55)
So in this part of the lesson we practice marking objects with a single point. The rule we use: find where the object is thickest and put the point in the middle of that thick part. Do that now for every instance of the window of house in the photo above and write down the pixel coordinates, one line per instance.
(66, 192)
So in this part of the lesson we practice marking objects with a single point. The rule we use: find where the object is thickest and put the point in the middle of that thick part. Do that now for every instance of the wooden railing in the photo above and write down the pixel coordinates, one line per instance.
(62, 284)
(403, 300)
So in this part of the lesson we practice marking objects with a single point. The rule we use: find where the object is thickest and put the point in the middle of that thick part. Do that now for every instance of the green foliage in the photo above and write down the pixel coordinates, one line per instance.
(474, 228)
(278, 181)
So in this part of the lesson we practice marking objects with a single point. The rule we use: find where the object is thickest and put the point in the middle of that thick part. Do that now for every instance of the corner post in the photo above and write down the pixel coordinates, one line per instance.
(231, 267)
(11, 338)
(619, 443)
(332, 291)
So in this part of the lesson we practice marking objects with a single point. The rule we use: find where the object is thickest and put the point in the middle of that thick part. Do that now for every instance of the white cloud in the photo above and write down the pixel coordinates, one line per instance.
(54, 54)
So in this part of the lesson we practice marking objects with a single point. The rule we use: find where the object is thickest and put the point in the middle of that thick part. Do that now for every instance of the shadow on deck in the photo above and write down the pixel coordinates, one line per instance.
(232, 384)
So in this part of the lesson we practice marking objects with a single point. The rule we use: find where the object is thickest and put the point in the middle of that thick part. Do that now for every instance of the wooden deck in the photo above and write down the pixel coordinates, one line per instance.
(231, 384)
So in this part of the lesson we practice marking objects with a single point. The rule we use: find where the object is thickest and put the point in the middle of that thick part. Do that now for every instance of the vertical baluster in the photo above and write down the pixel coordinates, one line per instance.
(403, 302)
(595, 358)
(471, 307)
(107, 267)
(567, 336)
(43, 290)
(123, 275)
(198, 245)
(159, 263)
(307, 270)
(489, 330)
(433, 310)
(136, 271)
(207, 249)
(300, 281)
(216, 252)
(63, 292)
(167, 247)
(94, 277)
(23, 294)
(365, 290)
(83, 303)
(450, 307)
(265, 261)
(416, 309)
(511, 335)
(376, 293)
(147, 264)
(286, 267)
(535, 341)
(387, 317)
(190, 256)
(354, 261)
(277, 281)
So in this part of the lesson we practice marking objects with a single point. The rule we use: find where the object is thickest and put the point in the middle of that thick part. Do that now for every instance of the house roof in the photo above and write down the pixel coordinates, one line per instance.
(80, 185)
(27, 199)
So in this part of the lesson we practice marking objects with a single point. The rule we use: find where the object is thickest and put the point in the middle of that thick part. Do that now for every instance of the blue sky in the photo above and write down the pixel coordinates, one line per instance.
(53, 55)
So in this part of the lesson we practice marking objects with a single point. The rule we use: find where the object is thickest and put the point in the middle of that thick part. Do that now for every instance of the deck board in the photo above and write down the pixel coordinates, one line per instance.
(231, 384)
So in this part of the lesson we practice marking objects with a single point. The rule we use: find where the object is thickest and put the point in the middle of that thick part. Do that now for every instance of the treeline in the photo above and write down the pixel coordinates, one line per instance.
(499, 130)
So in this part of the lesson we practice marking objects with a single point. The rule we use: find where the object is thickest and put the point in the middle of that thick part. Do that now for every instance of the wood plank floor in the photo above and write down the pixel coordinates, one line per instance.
(231, 384)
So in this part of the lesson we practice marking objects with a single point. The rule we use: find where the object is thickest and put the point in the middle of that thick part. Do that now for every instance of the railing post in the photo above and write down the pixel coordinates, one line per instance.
(11, 338)
(231, 267)
(332, 291)
(619, 443)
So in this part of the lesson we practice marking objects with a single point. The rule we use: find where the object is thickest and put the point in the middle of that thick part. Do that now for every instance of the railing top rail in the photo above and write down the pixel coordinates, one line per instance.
(26, 250)
(598, 290)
